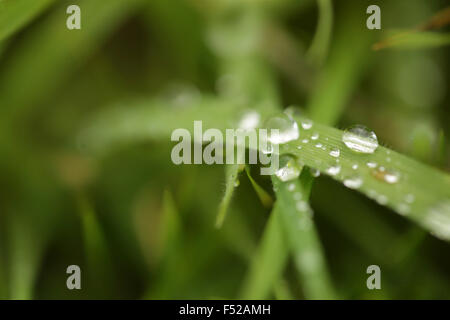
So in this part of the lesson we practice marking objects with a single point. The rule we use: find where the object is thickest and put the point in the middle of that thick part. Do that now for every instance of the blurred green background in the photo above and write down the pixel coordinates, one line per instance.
(141, 227)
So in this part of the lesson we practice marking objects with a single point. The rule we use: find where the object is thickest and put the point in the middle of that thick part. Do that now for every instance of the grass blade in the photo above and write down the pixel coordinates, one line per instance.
(14, 14)
(302, 236)
(269, 261)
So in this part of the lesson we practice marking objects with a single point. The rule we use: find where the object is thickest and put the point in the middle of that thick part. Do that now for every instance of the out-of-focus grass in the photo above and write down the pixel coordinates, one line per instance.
(144, 241)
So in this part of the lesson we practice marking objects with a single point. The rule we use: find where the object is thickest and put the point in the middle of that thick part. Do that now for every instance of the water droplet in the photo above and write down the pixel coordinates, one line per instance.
(314, 172)
(237, 183)
(353, 182)
(299, 147)
(291, 187)
(315, 136)
(438, 219)
(307, 124)
(389, 176)
(319, 145)
(287, 129)
(335, 152)
(403, 209)
(249, 120)
(302, 206)
(409, 198)
(382, 199)
(288, 169)
(334, 170)
(305, 141)
(360, 139)
(371, 164)
(355, 166)
(293, 111)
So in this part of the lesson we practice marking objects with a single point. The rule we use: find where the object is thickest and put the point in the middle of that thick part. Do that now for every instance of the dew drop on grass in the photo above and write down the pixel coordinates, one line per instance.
(381, 199)
(314, 172)
(319, 145)
(360, 139)
(236, 183)
(335, 152)
(355, 166)
(305, 141)
(388, 176)
(403, 209)
(353, 182)
(288, 169)
(249, 119)
(409, 198)
(286, 126)
(315, 136)
(293, 111)
(301, 206)
(307, 124)
(291, 187)
(371, 164)
(334, 170)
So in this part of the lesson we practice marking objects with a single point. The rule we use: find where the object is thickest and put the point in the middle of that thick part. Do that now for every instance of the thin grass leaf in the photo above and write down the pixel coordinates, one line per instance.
(302, 237)
(413, 40)
(269, 261)
(14, 14)
(232, 180)
(98, 257)
(416, 191)
(319, 48)
(263, 195)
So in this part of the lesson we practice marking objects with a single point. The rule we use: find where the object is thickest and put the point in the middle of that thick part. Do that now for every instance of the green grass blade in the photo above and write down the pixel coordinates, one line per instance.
(232, 180)
(414, 40)
(263, 195)
(422, 193)
(269, 261)
(302, 236)
(319, 48)
(14, 14)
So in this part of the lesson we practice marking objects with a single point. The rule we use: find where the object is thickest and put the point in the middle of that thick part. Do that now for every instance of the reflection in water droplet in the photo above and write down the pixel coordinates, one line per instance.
(314, 172)
(334, 170)
(307, 124)
(371, 164)
(288, 169)
(360, 139)
(293, 111)
(335, 152)
(287, 129)
(249, 120)
(353, 182)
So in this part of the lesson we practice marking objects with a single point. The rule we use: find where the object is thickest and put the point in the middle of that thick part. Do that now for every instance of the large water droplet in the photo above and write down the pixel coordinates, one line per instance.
(288, 169)
(353, 182)
(360, 139)
(287, 129)
(249, 119)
